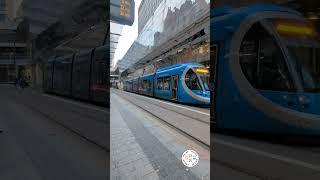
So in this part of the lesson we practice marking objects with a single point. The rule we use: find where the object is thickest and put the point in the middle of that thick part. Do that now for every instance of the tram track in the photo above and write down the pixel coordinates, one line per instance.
(312, 150)
(47, 113)
(199, 141)
(243, 170)
(176, 111)
(288, 158)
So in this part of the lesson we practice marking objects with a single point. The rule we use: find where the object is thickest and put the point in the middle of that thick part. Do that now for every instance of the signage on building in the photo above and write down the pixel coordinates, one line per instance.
(122, 11)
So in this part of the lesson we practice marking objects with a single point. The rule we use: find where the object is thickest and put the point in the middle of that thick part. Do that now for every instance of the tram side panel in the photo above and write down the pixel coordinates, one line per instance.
(99, 78)
(125, 85)
(81, 76)
(163, 86)
(157, 86)
(141, 89)
(135, 85)
(47, 78)
(147, 85)
(67, 75)
(62, 76)
(130, 85)
(151, 86)
(57, 76)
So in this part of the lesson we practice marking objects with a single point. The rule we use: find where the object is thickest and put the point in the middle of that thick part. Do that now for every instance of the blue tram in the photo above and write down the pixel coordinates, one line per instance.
(265, 62)
(184, 83)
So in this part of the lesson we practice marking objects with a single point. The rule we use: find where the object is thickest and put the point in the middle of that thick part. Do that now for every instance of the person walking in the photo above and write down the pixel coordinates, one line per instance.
(22, 82)
(19, 83)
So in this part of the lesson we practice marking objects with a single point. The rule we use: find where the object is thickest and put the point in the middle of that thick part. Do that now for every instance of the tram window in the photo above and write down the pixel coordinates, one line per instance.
(159, 83)
(306, 61)
(262, 61)
(248, 60)
(192, 80)
(166, 83)
(146, 84)
(136, 84)
(149, 84)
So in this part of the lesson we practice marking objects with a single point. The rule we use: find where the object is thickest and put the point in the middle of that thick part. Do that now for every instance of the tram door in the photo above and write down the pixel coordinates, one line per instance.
(174, 89)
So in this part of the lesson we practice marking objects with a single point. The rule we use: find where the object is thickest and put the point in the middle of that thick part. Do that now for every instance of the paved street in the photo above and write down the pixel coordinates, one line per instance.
(143, 147)
(50, 138)
(193, 121)
(248, 158)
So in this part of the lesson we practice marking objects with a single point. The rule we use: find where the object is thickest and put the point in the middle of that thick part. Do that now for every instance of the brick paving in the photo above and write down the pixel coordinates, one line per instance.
(141, 150)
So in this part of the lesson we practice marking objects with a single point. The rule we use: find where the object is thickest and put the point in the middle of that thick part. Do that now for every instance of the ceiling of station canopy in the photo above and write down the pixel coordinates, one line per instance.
(115, 33)
(43, 15)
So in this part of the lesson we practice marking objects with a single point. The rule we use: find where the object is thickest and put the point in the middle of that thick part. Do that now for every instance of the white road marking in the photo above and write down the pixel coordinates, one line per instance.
(75, 103)
(189, 109)
(269, 155)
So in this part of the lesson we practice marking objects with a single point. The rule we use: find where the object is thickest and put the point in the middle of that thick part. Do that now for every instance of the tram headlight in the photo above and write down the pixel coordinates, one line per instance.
(295, 29)
(202, 70)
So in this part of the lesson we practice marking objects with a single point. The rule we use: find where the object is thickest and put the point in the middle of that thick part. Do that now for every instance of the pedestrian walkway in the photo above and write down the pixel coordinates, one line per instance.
(39, 138)
(143, 148)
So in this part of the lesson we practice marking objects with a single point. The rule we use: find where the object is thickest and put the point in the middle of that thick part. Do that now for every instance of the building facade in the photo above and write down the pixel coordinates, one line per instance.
(170, 32)
(3, 10)
(145, 11)
(8, 9)
(14, 51)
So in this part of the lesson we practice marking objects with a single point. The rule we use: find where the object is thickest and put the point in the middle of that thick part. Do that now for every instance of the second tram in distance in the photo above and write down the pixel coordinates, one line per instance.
(81, 76)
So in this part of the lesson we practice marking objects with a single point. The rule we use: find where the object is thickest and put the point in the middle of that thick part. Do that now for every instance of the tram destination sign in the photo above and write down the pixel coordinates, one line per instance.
(122, 11)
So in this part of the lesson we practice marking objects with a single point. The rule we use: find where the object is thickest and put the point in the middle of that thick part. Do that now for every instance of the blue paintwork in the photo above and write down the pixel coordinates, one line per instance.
(312, 103)
(232, 111)
(145, 91)
(175, 70)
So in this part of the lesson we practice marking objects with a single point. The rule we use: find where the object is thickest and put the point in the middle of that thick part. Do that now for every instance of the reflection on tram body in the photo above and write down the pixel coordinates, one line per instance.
(185, 83)
(271, 71)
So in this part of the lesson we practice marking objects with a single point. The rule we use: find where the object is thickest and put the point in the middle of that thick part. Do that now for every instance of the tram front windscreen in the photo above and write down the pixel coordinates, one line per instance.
(204, 75)
(302, 42)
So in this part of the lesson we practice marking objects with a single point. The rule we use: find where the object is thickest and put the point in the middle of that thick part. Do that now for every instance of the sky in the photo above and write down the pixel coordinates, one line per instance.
(128, 36)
